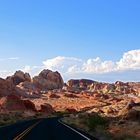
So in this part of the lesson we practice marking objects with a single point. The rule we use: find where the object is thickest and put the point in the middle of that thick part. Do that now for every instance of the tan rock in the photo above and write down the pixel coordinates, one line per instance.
(48, 80)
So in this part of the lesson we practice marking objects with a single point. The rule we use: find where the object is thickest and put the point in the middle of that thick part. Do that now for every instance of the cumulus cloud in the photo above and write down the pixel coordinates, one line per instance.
(98, 66)
(63, 64)
(70, 65)
(126, 68)
(130, 60)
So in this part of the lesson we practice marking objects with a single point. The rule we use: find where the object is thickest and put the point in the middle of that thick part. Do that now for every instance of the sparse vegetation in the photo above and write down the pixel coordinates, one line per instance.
(61, 114)
(10, 117)
(95, 120)
(98, 126)
(14, 116)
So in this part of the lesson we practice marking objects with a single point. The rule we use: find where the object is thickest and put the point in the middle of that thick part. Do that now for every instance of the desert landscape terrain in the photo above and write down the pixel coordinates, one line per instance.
(104, 110)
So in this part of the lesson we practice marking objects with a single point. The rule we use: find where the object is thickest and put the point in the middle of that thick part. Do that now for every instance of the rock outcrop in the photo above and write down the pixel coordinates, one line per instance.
(53, 95)
(47, 108)
(135, 86)
(12, 103)
(15, 103)
(29, 105)
(6, 88)
(81, 84)
(19, 77)
(105, 88)
(48, 80)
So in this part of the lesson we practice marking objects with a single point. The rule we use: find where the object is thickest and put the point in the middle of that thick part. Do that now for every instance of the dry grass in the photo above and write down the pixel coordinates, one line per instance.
(14, 116)
(104, 128)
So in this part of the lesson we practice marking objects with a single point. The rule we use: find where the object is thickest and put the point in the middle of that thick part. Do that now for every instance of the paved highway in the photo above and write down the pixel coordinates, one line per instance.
(41, 129)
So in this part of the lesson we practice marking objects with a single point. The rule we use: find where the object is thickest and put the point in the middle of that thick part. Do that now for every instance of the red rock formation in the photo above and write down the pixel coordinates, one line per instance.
(47, 108)
(99, 87)
(19, 77)
(135, 86)
(70, 95)
(29, 105)
(6, 88)
(71, 110)
(48, 80)
(119, 83)
(12, 103)
(52, 95)
(15, 103)
(82, 83)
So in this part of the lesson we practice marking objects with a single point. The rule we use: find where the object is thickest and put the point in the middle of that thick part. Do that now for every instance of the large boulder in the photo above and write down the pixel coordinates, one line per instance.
(48, 80)
(47, 108)
(19, 77)
(71, 110)
(80, 84)
(29, 105)
(6, 88)
(11, 103)
(27, 86)
(28, 90)
(15, 103)
(53, 95)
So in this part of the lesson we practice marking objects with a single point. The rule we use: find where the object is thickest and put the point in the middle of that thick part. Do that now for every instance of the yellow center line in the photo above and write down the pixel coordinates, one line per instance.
(21, 135)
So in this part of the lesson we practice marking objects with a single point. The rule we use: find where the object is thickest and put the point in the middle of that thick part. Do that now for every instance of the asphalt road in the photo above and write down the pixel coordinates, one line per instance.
(41, 129)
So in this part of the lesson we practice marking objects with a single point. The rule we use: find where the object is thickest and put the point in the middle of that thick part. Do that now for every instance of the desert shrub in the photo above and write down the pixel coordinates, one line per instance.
(96, 120)
(61, 113)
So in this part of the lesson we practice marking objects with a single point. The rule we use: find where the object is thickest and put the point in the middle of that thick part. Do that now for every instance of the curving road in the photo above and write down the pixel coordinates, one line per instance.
(41, 129)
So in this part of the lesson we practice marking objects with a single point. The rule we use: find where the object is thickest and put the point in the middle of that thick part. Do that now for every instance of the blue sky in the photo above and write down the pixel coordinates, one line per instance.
(34, 31)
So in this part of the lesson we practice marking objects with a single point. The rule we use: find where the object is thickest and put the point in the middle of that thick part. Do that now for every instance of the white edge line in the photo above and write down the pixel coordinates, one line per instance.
(74, 130)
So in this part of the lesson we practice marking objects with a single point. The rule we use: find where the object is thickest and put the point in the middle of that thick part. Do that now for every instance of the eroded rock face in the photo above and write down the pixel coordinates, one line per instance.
(28, 86)
(47, 108)
(53, 95)
(99, 87)
(82, 83)
(12, 103)
(135, 86)
(29, 105)
(6, 88)
(48, 80)
(19, 77)
(71, 110)
(70, 95)
(15, 103)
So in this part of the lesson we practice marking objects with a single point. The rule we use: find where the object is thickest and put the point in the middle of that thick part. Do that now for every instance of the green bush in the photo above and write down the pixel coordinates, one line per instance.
(61, 113)
(96, 120)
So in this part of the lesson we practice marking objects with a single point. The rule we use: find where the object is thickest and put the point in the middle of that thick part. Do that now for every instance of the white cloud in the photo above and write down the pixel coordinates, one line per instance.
(126, 68)
(70, 65)
(98, 66)
(130, 60)
(63, 64)
(10, 58)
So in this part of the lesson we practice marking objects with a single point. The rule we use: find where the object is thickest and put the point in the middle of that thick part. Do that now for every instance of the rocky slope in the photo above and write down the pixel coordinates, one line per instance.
(48, 94)
(17, 91)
